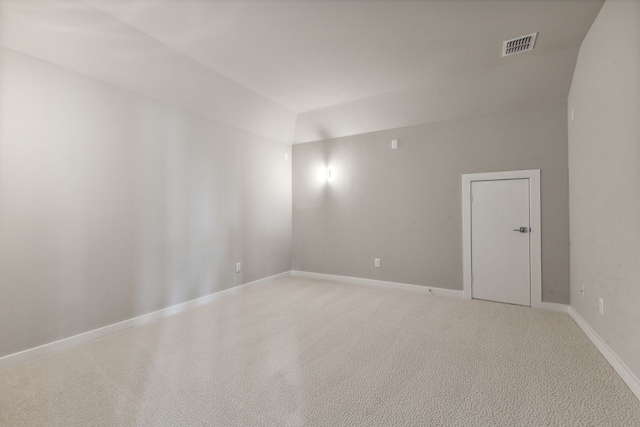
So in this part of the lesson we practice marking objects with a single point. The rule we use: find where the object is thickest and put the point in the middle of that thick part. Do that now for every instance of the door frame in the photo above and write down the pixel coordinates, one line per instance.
(535, 241)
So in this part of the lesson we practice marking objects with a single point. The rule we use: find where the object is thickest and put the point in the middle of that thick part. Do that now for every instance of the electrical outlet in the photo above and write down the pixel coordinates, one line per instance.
(601, 306)
(582, 290)
(376, 262)
(238, 267)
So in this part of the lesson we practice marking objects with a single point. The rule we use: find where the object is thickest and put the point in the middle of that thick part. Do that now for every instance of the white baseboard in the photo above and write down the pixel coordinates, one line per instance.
(66, 343)
(380, 283)
(553, 306)
(618, 365)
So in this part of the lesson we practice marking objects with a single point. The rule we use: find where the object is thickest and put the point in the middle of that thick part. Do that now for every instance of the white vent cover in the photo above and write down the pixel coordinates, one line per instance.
(518, 45)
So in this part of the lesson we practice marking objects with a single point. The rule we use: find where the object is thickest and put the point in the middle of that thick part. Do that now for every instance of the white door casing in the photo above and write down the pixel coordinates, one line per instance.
(493, 260)
(500, 259)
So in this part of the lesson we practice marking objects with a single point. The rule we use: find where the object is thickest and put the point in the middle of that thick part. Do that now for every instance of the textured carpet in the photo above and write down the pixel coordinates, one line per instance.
(308, 352)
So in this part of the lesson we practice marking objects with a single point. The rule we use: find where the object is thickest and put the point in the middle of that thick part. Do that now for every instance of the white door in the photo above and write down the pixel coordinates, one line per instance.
(500, 261)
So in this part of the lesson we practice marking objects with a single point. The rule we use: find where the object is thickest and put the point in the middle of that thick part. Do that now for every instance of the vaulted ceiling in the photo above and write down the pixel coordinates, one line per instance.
(314, 57)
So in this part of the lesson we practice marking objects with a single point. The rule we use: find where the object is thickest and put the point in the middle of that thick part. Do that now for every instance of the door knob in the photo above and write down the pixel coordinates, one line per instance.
(521, 229)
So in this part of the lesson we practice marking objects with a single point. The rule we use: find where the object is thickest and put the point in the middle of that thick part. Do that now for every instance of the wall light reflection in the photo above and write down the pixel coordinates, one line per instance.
(325, 174)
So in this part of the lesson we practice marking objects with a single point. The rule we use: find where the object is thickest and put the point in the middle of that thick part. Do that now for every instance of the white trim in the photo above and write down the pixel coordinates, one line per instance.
(618, 365)
(534, 218)
(380, 283)
(76, 340)
(553, 306)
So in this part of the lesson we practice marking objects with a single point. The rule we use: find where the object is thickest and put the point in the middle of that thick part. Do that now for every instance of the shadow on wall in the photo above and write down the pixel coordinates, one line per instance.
(188, 209)
(207, 196)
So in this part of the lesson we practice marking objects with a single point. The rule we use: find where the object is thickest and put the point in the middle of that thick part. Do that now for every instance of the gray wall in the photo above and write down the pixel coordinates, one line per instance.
(113, 205)
(604, 165)
(404, 205)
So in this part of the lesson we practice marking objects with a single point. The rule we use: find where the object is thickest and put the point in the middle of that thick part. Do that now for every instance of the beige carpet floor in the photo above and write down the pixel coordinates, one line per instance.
(307, 352)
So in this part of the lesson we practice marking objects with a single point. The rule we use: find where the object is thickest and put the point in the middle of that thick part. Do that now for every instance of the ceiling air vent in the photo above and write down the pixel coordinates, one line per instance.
(518, 45)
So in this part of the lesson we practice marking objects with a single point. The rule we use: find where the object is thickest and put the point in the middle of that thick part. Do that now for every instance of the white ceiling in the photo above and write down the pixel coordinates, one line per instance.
(303, 70)
(312, 54)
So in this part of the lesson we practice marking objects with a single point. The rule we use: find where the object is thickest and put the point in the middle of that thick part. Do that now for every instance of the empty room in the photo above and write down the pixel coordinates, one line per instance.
(319, 213)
